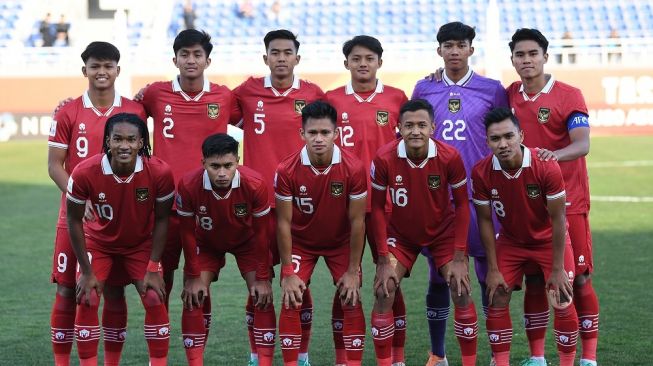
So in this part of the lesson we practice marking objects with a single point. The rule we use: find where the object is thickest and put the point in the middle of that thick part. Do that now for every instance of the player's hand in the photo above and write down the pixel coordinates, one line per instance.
(85, 284)
(89, 215)
(139, 96)
(560, 283)
(435, 76)
(292, 289)
(261, 292)
(545, 154)
(61, 104)
(459, 274)
(349, 288)
(494, 280)
(154, 280)
(384, 273)
(193, 293)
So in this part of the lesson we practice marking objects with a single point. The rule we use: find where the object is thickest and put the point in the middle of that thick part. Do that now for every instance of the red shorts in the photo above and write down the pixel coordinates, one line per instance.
(441, 252)
(119, 269)
(172, 251)
(213, 259)
(64, 260)
(305, 258)
(513, 260)
(581, 242)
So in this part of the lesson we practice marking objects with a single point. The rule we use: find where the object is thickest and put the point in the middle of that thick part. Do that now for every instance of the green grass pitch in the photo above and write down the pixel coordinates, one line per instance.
(623, 242)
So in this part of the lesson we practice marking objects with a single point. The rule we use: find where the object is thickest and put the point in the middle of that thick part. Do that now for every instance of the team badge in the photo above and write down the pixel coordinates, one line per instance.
(543, 114)
(532, 190)
(213, 110)
(454, 105)
(240, 209)
(337, 188)
(434, 181)
(382, 118)
(142, 194)
(299, 105)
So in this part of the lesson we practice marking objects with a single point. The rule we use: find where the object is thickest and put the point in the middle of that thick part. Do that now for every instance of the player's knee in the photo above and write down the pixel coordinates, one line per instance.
(65, 291)
(93, 299)
(581, 279)
(380, 293)
(501, 298)
(462, 300)
(151, 299)
(352, 308)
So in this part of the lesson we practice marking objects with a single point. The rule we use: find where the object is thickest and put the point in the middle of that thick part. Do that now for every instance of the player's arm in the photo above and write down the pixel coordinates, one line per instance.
(292, 287)
(236, 114)
(153, 277)
(194, 289)
(262, 290)
(460, 266)
(56, 171)
(579, 136)
(349, 283)
(559, 281)
(384, 270)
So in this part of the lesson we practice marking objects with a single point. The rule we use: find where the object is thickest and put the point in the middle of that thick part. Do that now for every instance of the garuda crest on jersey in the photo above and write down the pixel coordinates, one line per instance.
(434, 181)
(543, 114)
(142, 194)
(240, 209)
(213, 110)
(382, 118)
(337, 188)
(299, 105)
(532, 190)
(454, 105)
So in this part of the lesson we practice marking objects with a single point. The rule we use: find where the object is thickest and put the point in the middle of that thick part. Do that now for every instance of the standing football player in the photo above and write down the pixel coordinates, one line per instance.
(554, 119)
(131, 194)
(418, 173)
(75, 135)
(320, 204)
(528, 197)
(368, 112)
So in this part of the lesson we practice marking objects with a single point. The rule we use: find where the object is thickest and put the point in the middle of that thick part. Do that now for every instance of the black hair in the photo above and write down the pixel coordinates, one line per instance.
(101, 51)
(191, 37)
(280, 34)
(219, 144)
(529, 34)
(455, 31)
(417, 105)
(500, 114)
(319, 109)
(131, 119)
(368, 42)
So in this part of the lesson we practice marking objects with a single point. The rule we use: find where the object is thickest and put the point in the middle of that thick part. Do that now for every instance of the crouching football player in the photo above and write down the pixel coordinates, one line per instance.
(131, 194)
(224, 208)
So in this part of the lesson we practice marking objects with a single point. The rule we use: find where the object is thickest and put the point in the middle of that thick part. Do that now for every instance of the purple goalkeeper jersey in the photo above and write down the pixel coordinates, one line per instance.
(459, 111)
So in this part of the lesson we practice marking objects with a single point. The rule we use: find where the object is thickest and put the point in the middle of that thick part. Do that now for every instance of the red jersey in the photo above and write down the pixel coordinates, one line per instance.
(422, 211)
(366, 124)
(224, 222)
(544, 117)
(519, 198)
(78, 127)
(320, 216)
(124, 206)
(182, 121)
(271, 120)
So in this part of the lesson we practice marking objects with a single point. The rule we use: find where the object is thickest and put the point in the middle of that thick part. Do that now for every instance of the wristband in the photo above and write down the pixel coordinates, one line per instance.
(287, 270)
(154, 266)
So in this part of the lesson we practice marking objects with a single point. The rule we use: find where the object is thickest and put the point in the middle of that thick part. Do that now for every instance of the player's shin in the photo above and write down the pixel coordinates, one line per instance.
(193, 335)
(466, 329)
(265, 325)
(306, 318)
(565, 326)
(499, 330)
(587, 307)
(114, 328)
(354, 333)
(207, 316)
(62, 328)
(290, 334)
(156, 328)
(249, 320)
(87, 329)
(437, 313)
(399, 338)
(383, 328)
(337, 324)
(536, 316)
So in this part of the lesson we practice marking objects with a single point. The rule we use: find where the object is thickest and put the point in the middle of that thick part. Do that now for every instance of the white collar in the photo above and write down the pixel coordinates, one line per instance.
(336, 158)
(267, 83)
(462, 82)
(117, 102)
(235, 183)
(546, 90)
(525, 163)
(401, 152)
(176, 87)
(106, 169)
(349, 90)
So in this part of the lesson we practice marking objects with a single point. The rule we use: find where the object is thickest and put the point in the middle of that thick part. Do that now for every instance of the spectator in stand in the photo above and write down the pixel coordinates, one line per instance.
(46, 31)
(61, 30)
(189, 15)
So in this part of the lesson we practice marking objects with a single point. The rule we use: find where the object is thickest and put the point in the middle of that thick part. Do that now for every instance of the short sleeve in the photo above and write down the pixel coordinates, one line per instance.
(358, 182)
(575, 103)
(260, 203)
(282, 185)
(60, 133)
(554, 184)
(149, 98)
(500, 97)
(379, 174)
(236, 115)
(480, 194)
(456, 171)
(165, 185)
(78, 188)
(184, 200)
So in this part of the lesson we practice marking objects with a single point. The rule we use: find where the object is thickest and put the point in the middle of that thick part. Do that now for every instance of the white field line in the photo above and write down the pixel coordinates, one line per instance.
(620, 164)
(625, 199)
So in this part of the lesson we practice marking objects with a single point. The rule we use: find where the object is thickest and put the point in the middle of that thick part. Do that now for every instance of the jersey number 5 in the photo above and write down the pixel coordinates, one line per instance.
(258, 119)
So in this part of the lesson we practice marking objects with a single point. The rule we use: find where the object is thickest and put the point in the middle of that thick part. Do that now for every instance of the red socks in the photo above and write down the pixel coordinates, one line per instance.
(466, 330)
(193, 335)
(249, 320)
(399, 338)
(290, 334)
(499, 330)
(354, 333)
(306, 318)
(265, 324)
(157, 327)
(114, 327)
(337, 324)
(62, 329)
(383, 328)
(536, 316)
(587, 306)
(565, 328)
(87, 328)
(207, 316)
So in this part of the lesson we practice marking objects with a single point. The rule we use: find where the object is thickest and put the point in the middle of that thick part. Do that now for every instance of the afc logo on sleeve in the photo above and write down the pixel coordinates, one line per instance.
(53, 128)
